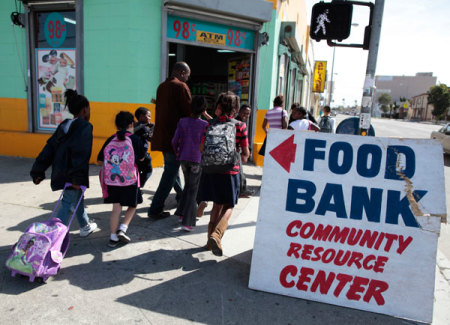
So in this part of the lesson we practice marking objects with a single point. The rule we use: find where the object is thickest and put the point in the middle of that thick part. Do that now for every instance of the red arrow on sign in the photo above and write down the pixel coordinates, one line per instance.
(284, 153)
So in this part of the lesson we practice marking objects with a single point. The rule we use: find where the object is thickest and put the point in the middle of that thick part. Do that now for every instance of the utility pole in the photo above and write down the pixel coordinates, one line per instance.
(369, 82)
(330, 92)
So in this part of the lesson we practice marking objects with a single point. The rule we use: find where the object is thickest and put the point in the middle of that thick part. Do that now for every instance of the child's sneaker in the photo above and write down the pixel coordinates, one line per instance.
(113, 243)
(88, 229)
(123, 237)
(187, 228)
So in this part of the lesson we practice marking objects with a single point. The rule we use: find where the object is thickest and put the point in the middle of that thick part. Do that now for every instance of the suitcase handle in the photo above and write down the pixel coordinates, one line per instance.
(83, 189)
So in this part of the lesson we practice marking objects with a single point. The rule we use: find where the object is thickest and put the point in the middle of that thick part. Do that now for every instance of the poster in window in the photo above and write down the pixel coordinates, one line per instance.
(239, 78)
(56, 73)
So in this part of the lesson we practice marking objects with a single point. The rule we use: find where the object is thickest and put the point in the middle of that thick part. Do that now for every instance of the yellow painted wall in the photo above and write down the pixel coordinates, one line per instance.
(296, 11)
(13, 114)
(274, 3)
(17, 141)
(259, 137)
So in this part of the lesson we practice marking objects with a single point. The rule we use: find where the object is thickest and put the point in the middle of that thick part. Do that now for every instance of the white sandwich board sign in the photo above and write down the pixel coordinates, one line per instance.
(350, 220)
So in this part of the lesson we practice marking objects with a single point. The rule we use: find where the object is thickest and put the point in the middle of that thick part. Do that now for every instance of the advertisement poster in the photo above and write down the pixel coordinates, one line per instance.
(350, 221)
(320, 73)
(239, 78)
(56, 73)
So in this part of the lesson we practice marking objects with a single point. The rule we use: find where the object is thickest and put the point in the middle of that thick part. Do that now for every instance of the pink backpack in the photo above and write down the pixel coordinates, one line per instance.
(119, 168)
(40, 250)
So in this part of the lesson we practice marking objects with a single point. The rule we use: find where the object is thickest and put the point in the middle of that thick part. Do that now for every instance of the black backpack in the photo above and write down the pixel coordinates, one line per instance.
(325, 124)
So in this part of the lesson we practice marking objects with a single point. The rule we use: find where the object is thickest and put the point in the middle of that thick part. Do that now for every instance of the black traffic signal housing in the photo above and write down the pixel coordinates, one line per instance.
(331, 21)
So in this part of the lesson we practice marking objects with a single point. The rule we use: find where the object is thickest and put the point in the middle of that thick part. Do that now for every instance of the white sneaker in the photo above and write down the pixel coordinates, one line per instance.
(88, 229)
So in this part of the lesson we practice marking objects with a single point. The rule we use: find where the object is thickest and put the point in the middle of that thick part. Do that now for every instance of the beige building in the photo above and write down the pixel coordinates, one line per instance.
(420, 108)
(404, 86)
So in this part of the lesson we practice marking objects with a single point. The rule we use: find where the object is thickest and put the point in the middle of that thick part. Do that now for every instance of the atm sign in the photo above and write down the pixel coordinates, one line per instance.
(203, 32)
(210, 38)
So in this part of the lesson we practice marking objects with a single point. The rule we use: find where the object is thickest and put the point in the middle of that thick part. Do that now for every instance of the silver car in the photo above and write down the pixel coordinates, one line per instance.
(443, 135)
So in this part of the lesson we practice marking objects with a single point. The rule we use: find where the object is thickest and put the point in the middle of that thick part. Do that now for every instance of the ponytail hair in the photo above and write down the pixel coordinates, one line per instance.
(75, 102)
(229, 102)
(123, 120)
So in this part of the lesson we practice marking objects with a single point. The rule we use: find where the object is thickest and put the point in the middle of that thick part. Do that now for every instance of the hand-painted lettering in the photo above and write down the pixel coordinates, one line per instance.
(301, 198)
(341, 158)
(362, 162)
(352, 287)
(396, 207)
(400, 163)
(371, 239)
(400, 160)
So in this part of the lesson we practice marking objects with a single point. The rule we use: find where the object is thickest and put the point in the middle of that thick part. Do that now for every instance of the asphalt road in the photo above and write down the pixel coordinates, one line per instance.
(399, 128)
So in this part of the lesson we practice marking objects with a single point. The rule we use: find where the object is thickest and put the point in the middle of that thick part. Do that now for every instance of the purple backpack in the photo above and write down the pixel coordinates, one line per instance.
(40, 250)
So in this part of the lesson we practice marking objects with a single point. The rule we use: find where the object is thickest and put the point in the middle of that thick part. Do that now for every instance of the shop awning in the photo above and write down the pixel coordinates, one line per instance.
(256, 12)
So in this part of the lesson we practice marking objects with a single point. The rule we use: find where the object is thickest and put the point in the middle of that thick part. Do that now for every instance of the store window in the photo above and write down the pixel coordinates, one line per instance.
(298, 97)
(283, 75)
(54, 50)
(292, 88)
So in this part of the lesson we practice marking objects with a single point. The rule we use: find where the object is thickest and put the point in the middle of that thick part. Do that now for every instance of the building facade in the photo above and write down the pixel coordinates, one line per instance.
(117, 52)
(286, 63)
(403, 88)
(421, 110)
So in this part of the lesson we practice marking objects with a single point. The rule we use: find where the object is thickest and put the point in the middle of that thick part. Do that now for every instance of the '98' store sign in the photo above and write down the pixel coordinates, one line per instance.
(55, 29)
(196, 31)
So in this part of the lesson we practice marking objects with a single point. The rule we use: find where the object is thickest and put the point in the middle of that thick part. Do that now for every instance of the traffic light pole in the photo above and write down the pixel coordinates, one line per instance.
(369, 82)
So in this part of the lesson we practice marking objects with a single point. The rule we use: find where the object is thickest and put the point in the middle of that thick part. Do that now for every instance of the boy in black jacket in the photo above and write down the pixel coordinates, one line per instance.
(68, 151)
(144, 129)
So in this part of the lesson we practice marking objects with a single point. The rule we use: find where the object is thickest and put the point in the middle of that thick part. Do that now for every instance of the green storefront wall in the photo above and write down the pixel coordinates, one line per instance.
(268, 64)
(122, 41)
(13, 64)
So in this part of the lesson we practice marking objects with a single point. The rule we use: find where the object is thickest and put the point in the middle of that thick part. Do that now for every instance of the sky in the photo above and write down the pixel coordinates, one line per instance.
(414, 38)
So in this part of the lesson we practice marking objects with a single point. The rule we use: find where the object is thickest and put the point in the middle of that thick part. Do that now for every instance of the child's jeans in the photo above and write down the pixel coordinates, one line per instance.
(68, 205)
(187, 206)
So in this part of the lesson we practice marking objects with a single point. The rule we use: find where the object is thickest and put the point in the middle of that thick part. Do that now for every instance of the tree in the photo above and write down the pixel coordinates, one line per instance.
(385, 100)
(439, 96)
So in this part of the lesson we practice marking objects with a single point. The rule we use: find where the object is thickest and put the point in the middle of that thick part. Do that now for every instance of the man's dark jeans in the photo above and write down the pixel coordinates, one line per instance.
(170, 178)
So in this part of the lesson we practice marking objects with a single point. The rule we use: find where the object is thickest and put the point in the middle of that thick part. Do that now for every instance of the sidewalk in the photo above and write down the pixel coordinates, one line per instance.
(163, 276)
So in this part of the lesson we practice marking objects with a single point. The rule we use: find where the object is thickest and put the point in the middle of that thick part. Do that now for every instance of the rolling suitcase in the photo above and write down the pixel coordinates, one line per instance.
(40, 250)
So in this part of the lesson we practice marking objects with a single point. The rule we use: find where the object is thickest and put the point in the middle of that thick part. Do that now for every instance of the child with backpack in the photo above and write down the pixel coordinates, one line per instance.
(186, 145)
(68, 151)
(327, 123)
(144, 129)
(220, 167)
(118, 156)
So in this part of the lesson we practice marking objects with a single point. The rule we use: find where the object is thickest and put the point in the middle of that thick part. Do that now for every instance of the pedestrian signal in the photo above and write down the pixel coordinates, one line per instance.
(331, 21)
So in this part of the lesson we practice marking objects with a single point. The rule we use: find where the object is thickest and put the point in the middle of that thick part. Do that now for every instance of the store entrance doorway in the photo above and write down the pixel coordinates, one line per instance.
(214, 71)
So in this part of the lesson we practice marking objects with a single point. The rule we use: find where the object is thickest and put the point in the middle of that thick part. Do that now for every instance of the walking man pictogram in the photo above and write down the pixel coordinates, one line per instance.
(321, 19)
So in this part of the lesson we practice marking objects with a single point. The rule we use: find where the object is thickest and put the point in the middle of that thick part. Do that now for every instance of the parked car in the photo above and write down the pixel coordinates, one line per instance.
(443, 135)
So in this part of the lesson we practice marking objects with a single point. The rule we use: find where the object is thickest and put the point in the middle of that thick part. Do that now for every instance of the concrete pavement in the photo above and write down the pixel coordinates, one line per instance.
(163, 276)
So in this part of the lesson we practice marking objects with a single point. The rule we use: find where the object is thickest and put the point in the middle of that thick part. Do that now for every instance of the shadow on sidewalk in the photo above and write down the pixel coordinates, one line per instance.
(149, 266)
(218, 293)
(17, 169)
